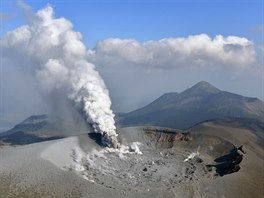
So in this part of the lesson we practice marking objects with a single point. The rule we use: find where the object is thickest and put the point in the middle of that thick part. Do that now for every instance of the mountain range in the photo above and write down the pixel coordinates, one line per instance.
(197, 104)
(38, 128)
(35, 128)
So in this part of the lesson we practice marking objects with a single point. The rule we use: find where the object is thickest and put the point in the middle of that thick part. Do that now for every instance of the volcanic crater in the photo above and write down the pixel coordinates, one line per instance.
(156, 158)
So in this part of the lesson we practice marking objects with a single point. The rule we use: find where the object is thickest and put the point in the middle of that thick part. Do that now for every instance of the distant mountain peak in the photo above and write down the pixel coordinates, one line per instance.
(203, 83)
(35, 119)
(201, 88)
(197, 104)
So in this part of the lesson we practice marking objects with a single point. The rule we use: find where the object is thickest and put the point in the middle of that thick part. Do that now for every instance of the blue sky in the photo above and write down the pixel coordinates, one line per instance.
(150, 20)
(234, 64)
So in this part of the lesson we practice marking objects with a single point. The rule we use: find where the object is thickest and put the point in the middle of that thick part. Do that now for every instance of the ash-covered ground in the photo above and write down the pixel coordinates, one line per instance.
(153, 169)
(153, 158)
(152, 162)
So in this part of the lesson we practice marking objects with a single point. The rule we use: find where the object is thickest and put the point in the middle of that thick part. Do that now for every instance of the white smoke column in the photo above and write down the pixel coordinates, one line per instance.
(52, 51)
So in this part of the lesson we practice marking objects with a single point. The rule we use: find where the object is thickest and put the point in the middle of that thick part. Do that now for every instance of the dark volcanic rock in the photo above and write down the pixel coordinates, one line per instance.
(229, 163)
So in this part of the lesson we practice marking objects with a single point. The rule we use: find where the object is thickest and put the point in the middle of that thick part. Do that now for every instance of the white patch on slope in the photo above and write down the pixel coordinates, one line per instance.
(191, 156)
(82, 162)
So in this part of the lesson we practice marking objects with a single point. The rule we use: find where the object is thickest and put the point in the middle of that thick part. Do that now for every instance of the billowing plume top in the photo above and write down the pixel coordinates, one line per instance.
(57, 57)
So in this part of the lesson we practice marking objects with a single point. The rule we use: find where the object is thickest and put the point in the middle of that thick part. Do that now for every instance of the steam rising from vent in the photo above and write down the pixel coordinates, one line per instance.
(55, 54)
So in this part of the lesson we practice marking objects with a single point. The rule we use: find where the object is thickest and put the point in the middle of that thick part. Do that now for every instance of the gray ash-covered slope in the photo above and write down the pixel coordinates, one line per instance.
(197, 104)
(256, 126)
(221, 169)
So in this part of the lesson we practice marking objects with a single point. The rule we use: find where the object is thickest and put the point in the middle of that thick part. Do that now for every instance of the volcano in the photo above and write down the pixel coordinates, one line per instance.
(216, 157)
(199, 103)
(152, 161)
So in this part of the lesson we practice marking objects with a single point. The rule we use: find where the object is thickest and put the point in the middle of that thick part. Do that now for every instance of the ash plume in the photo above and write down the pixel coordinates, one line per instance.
(54, 54)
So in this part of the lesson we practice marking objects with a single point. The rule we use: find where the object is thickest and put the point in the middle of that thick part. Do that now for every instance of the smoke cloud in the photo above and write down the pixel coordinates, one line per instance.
(54, 54)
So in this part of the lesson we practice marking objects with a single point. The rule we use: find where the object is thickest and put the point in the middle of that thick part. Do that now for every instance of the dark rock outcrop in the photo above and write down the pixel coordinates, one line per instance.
(229, 163)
